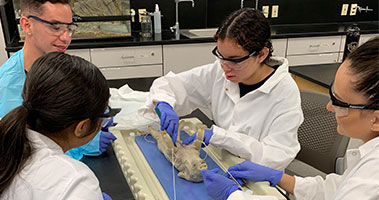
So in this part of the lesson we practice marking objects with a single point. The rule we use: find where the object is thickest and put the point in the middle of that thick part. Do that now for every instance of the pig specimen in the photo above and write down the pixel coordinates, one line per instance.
(186, 158)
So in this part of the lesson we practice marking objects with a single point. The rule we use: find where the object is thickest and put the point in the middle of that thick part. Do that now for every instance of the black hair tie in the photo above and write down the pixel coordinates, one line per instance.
(27, 106)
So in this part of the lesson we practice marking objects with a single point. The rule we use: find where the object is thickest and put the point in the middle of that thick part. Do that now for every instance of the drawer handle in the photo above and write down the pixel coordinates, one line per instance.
(314, 46)
(127, 57)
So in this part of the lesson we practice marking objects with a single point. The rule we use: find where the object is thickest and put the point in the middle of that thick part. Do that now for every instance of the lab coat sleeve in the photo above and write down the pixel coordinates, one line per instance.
(240, 195)
(185, 91)
(316, 187)
(276, 150)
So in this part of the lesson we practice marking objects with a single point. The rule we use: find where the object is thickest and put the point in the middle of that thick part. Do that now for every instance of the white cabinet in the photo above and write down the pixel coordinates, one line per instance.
(315, 50)
(84, 53)
(280, 47)
(129, 62)
(182, 57)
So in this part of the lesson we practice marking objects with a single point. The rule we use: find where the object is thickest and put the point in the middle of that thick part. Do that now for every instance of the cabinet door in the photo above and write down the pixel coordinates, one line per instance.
(84, 53)
(313, 45)
(182, 57)
(127, 56)
(126, 72)
(280, 47)
(313, 59)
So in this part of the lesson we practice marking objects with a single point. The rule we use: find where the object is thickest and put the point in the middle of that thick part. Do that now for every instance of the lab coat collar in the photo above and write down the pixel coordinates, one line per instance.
(279, 74)
(41, 141)
(232, 89)
(368, 146)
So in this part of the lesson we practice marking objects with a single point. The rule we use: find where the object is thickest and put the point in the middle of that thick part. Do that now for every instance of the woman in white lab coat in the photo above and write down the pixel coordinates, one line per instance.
(254, 102)
(64, 99)
(355, 101)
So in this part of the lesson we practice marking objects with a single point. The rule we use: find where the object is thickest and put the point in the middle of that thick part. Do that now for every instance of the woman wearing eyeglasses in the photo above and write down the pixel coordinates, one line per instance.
(355, 101)
(64, 99)
(254, 102)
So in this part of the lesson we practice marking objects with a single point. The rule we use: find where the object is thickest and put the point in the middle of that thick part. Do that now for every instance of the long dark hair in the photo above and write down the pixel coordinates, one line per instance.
(364, 63)
(59, 91)
(249, 28)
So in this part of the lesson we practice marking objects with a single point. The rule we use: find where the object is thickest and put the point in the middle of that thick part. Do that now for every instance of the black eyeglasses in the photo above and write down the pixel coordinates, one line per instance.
(235, 64)
(341, 108)
(107, 115)
(237, 60)
(57, 28)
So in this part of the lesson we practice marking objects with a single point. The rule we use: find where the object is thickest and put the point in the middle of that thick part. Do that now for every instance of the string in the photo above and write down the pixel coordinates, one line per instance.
(222, 166)
(149, 141)
(173, 172)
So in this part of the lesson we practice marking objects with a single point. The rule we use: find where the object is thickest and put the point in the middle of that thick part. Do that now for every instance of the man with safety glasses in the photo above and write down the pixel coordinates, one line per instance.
(48, 27)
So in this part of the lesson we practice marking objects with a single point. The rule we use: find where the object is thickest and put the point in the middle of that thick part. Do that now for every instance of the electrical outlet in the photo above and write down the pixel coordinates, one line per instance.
(140, 11)
(275, 11)
(345, 8)
(265, 10)
(353, 9)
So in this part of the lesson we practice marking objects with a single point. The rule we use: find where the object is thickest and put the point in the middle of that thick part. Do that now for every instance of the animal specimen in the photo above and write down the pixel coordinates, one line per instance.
(186, 158)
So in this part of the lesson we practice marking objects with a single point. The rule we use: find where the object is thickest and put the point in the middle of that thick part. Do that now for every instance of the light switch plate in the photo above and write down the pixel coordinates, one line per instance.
(353, 9)
(142, 10)
(265, 10)
(275, 11)
(345, 8)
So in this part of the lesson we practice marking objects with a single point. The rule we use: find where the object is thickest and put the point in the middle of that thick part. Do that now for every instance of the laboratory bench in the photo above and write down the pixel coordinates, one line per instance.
(167, 37)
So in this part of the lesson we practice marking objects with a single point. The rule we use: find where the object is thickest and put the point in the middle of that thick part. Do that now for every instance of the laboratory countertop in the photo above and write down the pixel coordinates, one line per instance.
(321, 74)
(167, 37)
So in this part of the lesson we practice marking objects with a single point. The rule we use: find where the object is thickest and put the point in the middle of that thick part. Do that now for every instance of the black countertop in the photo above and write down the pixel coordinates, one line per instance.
(167, 37)
(322, 75)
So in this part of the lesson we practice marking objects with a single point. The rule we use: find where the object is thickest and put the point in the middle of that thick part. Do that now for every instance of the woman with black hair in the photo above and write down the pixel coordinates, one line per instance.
(254, 102)
(64, 101)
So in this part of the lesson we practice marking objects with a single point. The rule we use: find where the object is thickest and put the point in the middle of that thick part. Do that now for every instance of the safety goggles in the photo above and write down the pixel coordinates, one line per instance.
(342, 108)
(235, 64)
(57, 28)
(107, 117)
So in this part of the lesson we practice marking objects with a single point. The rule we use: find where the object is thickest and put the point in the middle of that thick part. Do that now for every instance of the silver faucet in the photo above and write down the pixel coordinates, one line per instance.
(360, 9)
(176, 26)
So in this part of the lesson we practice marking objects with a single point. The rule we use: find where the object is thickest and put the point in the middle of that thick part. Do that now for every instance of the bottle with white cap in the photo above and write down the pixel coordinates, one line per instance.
(157, 20)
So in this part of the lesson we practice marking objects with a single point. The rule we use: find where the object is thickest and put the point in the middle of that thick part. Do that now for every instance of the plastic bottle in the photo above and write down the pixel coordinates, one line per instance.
(157, 20)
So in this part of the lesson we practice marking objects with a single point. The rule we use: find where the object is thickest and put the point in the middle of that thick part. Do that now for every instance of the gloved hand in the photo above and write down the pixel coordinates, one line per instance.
(105, 140)
(169, 119)
(207, 137)
(255, 172)
(106, 197)
(218, 186)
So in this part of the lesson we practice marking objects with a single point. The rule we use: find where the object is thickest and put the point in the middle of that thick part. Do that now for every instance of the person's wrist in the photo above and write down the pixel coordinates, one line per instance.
(232, 189)
(276, 177)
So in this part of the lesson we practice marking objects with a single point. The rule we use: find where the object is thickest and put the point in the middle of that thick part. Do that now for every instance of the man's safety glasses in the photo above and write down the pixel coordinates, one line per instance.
(342, 108)
(235, 64)
(57, 28)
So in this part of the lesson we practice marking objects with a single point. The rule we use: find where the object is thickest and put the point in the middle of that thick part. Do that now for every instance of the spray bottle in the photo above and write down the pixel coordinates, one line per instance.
(157, 20)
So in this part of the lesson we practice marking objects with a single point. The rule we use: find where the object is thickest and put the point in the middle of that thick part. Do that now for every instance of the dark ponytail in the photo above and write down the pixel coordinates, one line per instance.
(59, 91)
(15, 147)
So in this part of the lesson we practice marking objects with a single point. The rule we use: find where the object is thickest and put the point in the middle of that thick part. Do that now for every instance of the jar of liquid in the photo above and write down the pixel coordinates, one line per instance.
(146, 26)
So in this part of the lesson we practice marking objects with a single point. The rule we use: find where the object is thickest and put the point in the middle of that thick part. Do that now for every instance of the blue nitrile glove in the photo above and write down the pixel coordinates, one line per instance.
(105, 136)
(207, 137)
(105, 140)
(106, 197)
(218, 186)
(255, 172)
(169, 119)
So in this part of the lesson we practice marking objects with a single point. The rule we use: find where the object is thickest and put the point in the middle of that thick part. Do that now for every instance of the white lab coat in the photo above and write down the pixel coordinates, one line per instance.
(51, 175)
(261, 126)
(359, 181)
